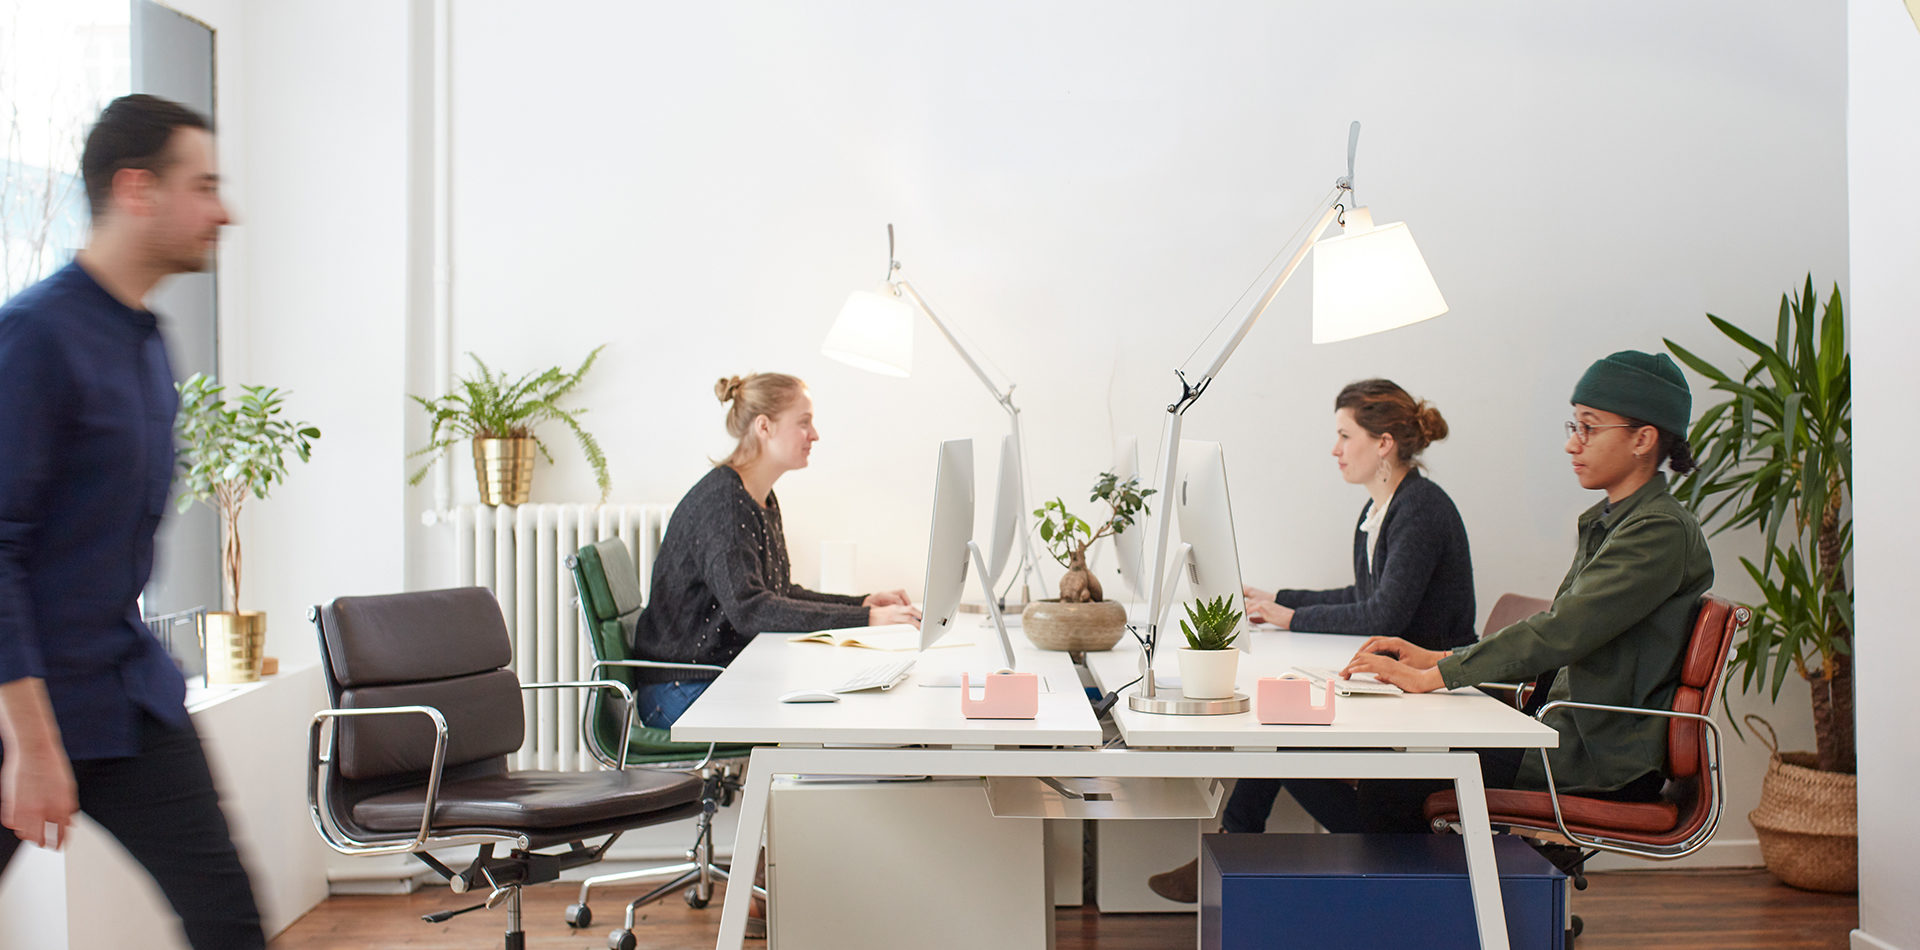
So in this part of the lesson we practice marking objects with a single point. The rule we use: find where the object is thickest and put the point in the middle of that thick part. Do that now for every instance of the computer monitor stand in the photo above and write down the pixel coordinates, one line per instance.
(1000, 627)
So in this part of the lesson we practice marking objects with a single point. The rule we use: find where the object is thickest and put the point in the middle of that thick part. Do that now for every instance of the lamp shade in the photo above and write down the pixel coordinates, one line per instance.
(1369, 279)
(874, 332)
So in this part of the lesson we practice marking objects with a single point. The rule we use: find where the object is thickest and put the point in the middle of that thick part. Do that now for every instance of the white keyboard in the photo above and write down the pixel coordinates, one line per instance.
(878, 676)
(1347, 687)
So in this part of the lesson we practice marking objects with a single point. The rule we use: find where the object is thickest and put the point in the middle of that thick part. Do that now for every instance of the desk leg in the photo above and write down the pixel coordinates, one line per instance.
(1483, 875)
(746, 850)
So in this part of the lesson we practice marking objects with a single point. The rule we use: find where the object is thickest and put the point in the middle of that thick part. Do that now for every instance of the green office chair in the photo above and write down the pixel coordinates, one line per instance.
(608, 591)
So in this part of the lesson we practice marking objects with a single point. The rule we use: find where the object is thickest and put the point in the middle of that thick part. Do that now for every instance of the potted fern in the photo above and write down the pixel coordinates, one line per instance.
(1209, 662)
(1081, 619)
(1776, 454)
(498, 415)
(229, 452)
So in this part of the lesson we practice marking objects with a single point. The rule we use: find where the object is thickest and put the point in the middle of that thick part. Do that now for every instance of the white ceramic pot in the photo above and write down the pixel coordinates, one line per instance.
(1208, 674)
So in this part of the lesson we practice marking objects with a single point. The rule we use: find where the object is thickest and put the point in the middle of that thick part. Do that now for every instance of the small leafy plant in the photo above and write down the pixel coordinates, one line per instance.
(488, 405)
(1212, 624)
(230, 452)
(1068, 536)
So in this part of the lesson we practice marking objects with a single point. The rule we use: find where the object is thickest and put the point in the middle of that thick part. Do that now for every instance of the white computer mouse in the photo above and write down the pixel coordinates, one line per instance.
(809, 696)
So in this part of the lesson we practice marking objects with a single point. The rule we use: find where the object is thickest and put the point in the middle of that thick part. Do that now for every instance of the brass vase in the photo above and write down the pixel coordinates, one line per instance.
(236, 644)
(505, 470)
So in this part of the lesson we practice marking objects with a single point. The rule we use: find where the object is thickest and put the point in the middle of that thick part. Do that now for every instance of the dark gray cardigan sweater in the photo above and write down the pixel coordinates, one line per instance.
(723, 576)
(1419, 586)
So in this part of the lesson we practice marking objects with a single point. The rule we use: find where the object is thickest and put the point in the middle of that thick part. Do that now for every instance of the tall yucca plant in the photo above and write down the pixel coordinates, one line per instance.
(489, 405)
(1777, 453)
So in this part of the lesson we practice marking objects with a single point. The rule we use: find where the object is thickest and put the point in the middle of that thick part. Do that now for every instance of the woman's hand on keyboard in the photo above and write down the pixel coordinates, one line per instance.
(886, 598)
(1394, 672)
(893, 613)
(1418, 658)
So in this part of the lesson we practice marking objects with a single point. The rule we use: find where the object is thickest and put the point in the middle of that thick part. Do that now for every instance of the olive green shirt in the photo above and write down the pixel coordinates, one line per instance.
(1615, 632)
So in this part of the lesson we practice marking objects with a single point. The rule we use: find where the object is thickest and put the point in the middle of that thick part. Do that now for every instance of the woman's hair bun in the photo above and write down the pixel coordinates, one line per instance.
(1433, 426)
(728, 388)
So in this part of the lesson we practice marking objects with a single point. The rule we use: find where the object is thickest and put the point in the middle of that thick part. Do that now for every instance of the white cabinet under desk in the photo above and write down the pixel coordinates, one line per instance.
(924, 864)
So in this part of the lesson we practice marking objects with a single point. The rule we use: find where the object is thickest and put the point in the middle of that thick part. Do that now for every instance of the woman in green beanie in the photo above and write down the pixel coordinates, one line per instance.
(1620, 620)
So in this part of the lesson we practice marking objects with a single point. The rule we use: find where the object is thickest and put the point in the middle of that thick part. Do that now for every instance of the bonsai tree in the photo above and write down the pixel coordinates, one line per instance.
(231, 452)
(1777, 453)
(1212, 624)
(1068, 537)
(491, 406)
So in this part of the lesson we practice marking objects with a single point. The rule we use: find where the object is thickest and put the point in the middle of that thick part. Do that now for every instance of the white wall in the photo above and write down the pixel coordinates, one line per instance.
(1883, 138)
(326, 308)
(1082, 188)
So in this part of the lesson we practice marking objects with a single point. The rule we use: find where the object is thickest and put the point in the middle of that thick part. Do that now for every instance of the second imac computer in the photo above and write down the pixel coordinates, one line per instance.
(1211, 561)
(949, 547)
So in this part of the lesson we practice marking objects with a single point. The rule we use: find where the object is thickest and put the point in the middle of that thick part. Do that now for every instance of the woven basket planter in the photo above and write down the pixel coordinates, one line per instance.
(1052, 625)
(1807, 821)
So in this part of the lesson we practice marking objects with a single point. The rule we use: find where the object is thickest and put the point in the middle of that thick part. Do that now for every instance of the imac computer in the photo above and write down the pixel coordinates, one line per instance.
(1130, 546)
(1212, 561)
(1007, 515)
(949, 547)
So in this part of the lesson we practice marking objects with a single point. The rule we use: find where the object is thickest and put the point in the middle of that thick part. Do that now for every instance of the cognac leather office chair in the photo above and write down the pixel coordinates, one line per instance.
(412, 755)
(1689, 810)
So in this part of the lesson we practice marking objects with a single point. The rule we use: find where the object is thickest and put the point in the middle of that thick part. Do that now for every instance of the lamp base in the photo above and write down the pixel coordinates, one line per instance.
(1168, 701)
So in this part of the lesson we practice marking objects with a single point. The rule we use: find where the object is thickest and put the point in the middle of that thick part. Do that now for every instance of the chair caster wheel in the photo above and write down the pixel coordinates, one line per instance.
(694, 900)
(1578, 925)
(621, 940)
(1580, 882)
(579, 915)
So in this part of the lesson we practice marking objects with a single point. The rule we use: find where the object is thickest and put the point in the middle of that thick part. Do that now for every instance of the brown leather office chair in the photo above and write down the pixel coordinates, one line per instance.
(412, 756)
(1689, 810)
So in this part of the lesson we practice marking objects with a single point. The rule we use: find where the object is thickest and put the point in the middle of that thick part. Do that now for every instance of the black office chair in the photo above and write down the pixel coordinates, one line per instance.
(412, 756)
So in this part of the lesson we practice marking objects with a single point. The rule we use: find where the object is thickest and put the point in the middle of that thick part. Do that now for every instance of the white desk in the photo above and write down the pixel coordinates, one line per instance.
(1372, 737)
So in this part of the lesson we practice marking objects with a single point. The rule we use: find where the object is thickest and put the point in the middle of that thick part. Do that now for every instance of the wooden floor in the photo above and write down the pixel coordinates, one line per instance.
(1684, 910)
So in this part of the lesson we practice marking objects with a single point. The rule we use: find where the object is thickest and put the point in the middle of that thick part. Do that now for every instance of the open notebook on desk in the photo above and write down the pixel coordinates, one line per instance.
(892, 637)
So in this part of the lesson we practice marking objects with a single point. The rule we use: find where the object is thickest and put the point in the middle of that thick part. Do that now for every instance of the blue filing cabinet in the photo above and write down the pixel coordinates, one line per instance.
(1377, 892)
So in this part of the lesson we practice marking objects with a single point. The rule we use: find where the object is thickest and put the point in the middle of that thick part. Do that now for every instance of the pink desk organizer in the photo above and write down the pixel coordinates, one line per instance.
(1007, 696)
(1288, 701)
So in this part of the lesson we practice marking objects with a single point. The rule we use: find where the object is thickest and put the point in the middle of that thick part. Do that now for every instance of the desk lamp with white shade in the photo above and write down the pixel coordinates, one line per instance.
(874, 332)
(1368, 279)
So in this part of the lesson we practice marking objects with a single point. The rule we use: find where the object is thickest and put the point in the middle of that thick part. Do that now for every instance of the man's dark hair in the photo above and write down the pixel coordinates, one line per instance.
(133, 132)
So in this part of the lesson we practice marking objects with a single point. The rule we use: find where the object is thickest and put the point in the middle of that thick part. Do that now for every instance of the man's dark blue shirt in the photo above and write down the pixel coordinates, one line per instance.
(86, 460)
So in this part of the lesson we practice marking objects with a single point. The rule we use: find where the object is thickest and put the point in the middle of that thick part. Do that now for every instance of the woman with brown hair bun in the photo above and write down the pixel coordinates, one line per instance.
(1413, 575)
(1413, 579)
(723, 576)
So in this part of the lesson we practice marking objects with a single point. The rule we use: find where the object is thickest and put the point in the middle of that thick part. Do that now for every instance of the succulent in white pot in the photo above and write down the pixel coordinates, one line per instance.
(1209, 661)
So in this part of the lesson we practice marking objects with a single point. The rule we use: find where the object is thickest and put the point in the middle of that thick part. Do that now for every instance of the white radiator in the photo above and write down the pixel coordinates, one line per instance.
(520, 553)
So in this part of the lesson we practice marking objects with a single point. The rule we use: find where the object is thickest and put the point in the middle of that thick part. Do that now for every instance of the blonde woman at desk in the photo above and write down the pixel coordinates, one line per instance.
(1413, 579)
(722, 575)
(1621, 618)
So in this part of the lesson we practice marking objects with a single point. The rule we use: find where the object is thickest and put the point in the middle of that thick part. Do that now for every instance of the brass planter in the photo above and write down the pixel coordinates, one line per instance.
(236, 644)
(504, 468)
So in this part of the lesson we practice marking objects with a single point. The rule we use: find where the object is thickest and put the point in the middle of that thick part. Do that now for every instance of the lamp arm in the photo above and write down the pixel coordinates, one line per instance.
(1189, 393)
(1273, 289)
(1005, 399)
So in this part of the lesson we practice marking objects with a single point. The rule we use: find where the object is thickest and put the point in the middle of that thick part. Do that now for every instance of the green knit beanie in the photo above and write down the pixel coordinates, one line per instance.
(1643, 386)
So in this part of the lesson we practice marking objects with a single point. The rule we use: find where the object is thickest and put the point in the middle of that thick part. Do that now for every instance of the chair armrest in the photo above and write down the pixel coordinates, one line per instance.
(1520, 691)
(316, 761)
(634, 709)
(655, 665)
(626, 696)
(1712, 765)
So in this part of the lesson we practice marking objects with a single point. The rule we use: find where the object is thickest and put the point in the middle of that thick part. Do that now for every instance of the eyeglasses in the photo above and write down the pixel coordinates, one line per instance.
(1584, 431)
